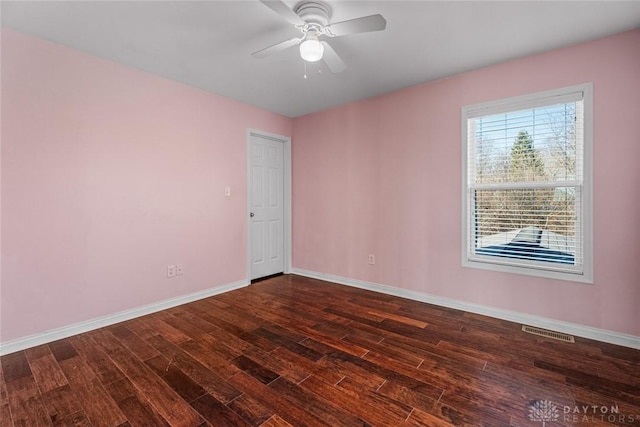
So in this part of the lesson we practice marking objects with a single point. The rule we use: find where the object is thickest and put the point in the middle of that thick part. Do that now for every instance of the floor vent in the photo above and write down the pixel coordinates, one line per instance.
(548, 334)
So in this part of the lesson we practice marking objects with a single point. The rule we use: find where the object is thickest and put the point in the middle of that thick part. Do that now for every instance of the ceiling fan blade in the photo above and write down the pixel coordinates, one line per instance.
(331, 58)
(278, 47)
(358, 25)
(283, 10)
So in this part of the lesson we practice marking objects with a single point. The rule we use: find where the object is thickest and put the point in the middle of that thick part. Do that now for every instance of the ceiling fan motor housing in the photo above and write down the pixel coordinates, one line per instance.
(314, 12)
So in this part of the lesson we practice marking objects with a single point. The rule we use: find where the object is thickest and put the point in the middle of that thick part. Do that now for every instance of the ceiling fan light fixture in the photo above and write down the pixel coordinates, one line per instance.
(311, 50)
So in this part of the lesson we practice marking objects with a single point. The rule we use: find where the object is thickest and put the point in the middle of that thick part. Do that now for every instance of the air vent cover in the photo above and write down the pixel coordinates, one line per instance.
(548, 334)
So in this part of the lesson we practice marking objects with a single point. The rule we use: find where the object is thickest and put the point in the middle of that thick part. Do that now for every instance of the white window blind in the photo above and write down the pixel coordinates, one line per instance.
(525, 183)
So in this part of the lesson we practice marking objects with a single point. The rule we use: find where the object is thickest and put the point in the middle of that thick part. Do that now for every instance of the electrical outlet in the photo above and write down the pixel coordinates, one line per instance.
(372, 259)
(171, 271)
(179, 269)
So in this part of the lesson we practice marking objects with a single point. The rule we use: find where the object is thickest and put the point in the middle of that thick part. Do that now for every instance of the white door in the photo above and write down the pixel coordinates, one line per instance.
(266, 206)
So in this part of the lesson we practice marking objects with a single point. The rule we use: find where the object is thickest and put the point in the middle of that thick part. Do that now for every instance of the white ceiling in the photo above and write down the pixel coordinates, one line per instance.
(207, 44)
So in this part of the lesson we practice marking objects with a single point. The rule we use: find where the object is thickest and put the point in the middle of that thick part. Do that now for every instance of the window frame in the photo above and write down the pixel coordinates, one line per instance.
(513, 104)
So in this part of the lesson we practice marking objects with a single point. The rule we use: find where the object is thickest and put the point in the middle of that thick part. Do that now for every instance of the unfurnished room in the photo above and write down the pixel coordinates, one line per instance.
(319, 213)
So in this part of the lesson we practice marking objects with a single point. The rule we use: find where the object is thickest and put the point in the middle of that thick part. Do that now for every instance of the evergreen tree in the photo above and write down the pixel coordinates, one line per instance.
(528, 207)
(526, 164)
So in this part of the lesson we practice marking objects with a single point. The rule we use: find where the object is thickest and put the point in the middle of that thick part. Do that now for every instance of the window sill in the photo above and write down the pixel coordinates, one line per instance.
(585, 277)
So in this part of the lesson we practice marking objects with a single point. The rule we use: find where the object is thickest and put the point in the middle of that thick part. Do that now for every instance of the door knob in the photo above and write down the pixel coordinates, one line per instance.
(252, 214)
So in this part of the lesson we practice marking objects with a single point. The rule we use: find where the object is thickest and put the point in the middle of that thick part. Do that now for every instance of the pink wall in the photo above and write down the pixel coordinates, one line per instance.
(383, 176)
(109, 175)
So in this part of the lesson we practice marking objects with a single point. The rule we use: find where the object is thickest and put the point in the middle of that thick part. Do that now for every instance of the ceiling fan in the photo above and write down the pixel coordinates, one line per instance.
(312, 18)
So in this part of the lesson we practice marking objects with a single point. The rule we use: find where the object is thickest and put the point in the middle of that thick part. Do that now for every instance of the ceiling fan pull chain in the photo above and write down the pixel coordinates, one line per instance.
(305, 69)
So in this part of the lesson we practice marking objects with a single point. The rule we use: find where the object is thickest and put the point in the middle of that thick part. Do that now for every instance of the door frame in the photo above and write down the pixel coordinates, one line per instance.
(286, 153)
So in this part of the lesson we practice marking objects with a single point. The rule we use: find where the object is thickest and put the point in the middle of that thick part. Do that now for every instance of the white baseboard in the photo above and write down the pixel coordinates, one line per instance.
(100, 322)
(541, 322)
(528, 319)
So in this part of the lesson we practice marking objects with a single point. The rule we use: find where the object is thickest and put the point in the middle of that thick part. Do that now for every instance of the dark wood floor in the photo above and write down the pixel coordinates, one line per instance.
(296, 351)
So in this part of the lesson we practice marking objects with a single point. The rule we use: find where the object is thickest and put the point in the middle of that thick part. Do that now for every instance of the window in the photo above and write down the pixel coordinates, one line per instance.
(527, 184)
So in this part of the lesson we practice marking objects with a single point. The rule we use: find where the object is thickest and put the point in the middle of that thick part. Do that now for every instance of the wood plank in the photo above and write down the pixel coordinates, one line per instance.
(322, 409)
(228, 345)
(275, 421)
(103, 367)
(250, 409)
(209, 379)
(458, 351)
(214, 411)
(585, 377)
(169, 404)
(211, 359)
(137, 409)
(61, 402)
(254, 369)
(62, 350)
(318, 339)
(25, 402)
(402, 374)
(620, 353)
(386, 306)
(156, 323)
(357, 373)
(5, 415)
(37, 352)
(455, 417)
(15, 366)
(296, 368)
(401, 354)
(419, 418)
(229, 340)
(398, 318)
(279, 340)
(410, 396)
(88, 390)
(4, 398)
(282, 367)
(245, 321)
(47, 373)
(133, 342)
(284, 408)
(375, 411)
(180, 382)
(79, 419)
(497, 395)
(141, 328)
